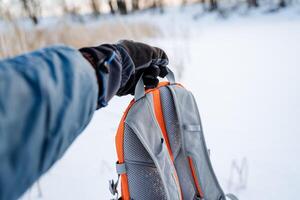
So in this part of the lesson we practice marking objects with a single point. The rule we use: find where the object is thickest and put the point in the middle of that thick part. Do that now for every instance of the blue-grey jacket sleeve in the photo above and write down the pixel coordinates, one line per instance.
(46, 99)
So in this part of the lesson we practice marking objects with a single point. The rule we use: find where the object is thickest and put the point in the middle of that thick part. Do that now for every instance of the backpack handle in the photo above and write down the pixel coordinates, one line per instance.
(139, 91)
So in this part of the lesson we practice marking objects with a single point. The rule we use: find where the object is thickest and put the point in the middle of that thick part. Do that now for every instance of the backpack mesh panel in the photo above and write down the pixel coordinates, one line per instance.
(133, 148)
(171, 120)
(172, 126)
(143, 177)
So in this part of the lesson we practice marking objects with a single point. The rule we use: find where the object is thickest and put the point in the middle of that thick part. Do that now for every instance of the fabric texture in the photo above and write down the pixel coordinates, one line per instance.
(47, 98)
(143, 176)
(175, 138)
(112, 70)
(119, 67)
(149, 134)
(149, 62)
(194, 145)
(152, 171)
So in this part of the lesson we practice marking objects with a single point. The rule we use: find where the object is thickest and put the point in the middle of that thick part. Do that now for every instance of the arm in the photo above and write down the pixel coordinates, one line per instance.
(48, 97)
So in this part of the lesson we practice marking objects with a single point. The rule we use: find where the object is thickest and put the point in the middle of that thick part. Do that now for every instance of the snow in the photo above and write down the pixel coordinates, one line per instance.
(244, 73)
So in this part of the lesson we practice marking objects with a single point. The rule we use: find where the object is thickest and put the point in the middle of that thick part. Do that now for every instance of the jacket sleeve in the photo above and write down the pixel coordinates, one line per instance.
(47, 98)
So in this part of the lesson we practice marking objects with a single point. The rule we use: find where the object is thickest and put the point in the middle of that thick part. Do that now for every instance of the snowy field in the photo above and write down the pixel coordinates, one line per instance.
(244, 73)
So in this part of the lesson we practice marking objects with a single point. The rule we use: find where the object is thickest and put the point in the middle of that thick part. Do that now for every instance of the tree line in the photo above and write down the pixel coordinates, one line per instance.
(33, 8)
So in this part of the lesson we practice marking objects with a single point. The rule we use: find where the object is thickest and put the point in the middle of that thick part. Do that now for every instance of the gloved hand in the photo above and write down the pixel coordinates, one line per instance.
(119, 67)
(149, 61)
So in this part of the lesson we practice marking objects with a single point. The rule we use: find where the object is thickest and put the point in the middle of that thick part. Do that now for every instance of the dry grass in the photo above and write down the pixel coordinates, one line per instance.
(15, 40)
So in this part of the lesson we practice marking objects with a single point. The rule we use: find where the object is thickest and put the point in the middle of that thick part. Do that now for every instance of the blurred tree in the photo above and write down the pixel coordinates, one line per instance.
(252, 3)
(279, 5)
(135, 5)
(32, 9)
(65, 8)
(1, 10)
(183, 2)
(161, 5)
(95, 5)
(282, 4)
(154, 4)
(111, 7)
(213, 5)
(72, 11)
(122, 7)
(158, 4)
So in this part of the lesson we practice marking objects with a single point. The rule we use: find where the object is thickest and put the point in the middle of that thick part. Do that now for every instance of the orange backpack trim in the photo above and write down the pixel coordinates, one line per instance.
(192, 167)
(120, 153)
(119, 139)
(160, 119)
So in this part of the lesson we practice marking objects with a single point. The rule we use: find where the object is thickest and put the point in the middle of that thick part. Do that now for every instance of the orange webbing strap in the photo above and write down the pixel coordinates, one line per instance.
(160, 84)
(160, 119)
(120, 153)
(192, 167)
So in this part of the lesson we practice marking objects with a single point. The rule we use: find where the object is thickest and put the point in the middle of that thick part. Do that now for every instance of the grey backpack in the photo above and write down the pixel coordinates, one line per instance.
(161, 148)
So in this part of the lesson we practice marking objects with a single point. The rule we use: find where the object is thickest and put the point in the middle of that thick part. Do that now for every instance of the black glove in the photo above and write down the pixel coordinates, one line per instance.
(119, 67)
(149, 61)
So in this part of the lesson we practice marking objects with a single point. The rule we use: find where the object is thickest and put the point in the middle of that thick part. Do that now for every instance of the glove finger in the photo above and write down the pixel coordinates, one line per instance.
(153, 70)
(150, 76)
(150, 81)
(159, 57)
(144, 55)
(140, 53)
(163, 71)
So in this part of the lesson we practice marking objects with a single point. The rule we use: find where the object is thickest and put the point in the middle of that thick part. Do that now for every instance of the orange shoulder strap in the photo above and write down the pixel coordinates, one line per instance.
(120, 153)
(161, 121)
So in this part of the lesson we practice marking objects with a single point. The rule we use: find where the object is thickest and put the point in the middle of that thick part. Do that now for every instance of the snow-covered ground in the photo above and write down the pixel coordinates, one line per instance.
(245, 75)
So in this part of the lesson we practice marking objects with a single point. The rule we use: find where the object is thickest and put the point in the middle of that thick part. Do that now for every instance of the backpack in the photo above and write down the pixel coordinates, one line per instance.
(161, 149)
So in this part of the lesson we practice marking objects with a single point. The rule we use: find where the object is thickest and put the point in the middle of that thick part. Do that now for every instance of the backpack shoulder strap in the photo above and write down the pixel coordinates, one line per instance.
(193, 144)
(120, 153)
(149, 133)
